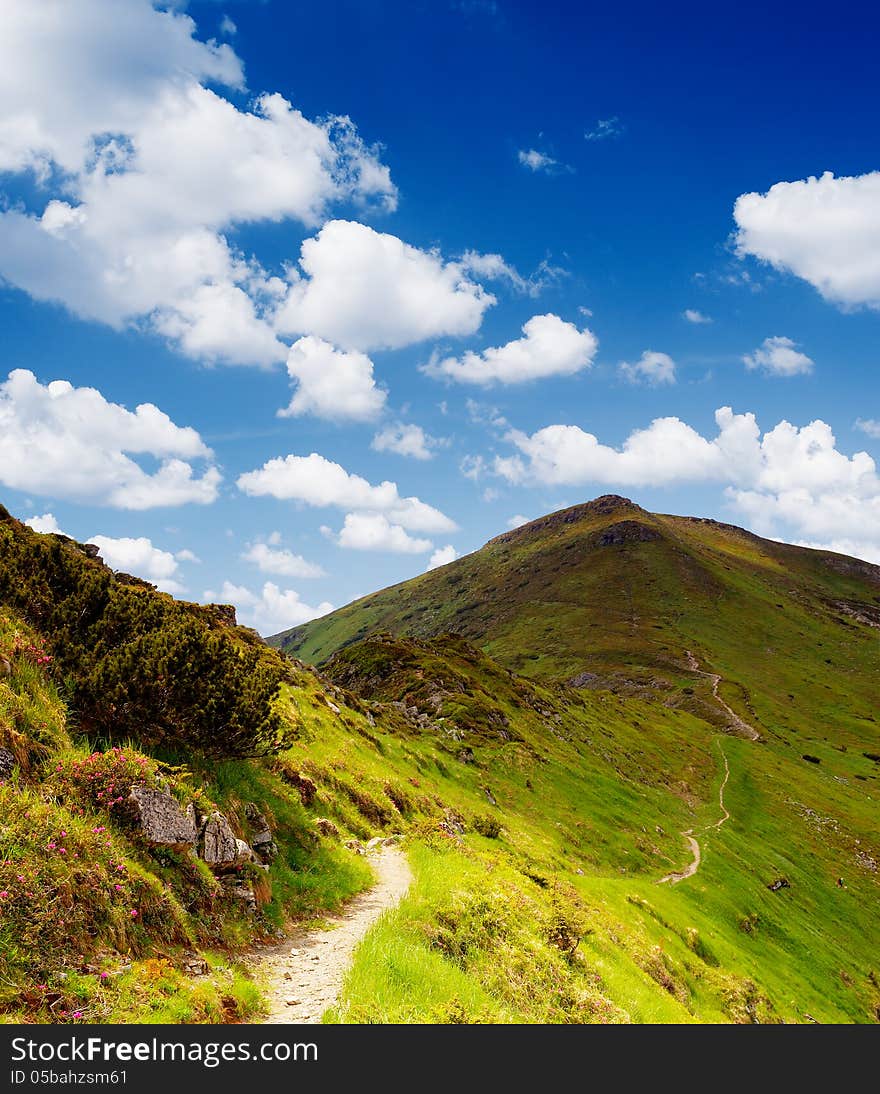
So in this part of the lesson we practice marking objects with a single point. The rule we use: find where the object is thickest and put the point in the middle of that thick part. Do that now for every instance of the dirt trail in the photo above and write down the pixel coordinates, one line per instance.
(736, 722)
(304, 973)
(679, 875)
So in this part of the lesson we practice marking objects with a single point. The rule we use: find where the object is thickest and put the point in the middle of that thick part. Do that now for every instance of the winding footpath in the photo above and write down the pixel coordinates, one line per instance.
(304, 974)
(736, 723)
(679, 875)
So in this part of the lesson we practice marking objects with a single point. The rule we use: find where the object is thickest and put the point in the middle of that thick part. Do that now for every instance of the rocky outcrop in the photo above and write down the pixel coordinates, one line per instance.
(627, 531)
(262, 840)
(219, 846)
(161, 819)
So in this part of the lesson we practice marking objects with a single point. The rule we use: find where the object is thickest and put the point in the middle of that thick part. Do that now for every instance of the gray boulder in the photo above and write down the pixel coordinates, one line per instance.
(161, 819)
(262, 840)
(220, 847)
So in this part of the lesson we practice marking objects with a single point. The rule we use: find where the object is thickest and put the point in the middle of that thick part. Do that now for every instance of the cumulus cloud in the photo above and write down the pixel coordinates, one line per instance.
(824, 230)
(147, 168)
(316, 481)
(651, 368)
(45, 524)
(517, 521)
(374, 532)
(271, 558)
(406, 439)
(65, 442)
(331, 383)
(696, 317)
(139, 557)
(442, 557)
(363, 289)
(790, 477)
(779, 356)
(549, 347)
(268, 611)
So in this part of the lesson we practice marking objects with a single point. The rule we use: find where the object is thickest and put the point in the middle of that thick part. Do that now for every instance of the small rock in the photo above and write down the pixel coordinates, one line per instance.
(292, 1002)
(196, 967)
(779, 883)
(327, 827)
(353, 845)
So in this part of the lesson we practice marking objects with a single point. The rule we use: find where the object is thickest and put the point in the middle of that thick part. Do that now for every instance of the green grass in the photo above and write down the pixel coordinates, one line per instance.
(538, 818)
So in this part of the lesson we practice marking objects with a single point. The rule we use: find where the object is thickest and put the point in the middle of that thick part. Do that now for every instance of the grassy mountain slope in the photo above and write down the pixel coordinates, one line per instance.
(618, 596)
(538, 818)
(687, 619)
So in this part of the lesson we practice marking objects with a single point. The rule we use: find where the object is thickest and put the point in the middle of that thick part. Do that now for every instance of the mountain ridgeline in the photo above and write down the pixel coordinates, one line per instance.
(607, 595)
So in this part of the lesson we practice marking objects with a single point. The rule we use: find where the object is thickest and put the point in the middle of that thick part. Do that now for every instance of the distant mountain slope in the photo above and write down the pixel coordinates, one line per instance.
(610, 595)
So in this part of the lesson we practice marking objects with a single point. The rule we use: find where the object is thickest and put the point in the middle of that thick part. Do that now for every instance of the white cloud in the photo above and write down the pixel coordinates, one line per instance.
(651, 368)
(538, 161)
(779, 356)
(869, 426)
(550, 347)
(518, 521)
(65, 442)
(374, 532)
(406, 439)
(141, 558)
(44, 524)
(319, 482)
(186, 555)
(365, 290)
(273, 559)
(696, 317)
(227, 27)
(855, 548)
(791, 477)
(332, 383)
(604, 129)
(494, 267)
(148, 168)
(269, 611)
(442, 557)
(824, 230)
(472, 467)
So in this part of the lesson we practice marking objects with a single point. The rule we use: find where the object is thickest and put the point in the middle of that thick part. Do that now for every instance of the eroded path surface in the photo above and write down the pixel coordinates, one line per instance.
(679, 875)
(735, 721)
(306, 971)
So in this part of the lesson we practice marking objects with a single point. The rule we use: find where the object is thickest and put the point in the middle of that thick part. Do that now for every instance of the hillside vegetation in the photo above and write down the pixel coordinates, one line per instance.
(539, 817)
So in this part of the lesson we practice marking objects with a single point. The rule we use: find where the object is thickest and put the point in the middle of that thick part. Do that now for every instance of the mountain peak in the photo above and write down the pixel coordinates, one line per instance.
(607, 505)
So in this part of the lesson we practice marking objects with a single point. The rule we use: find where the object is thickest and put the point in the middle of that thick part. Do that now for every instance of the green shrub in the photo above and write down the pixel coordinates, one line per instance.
(137, 663)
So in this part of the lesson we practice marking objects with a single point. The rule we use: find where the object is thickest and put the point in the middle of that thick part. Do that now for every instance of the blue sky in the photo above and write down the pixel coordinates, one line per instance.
(488, 259)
